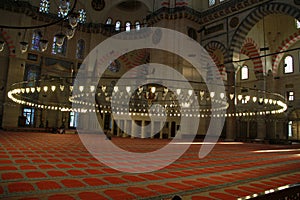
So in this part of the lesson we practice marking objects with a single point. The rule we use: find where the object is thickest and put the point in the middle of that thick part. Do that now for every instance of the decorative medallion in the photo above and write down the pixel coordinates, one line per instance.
(234, 22)
(98, 5)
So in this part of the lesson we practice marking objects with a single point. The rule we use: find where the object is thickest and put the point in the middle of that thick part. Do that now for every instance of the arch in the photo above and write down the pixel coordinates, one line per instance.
(211, 47)
(251, 49)
(253, 18)
(10, 43)
(285, 45)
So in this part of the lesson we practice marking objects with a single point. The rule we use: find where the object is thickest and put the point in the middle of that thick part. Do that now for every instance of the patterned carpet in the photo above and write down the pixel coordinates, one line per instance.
(51, 166)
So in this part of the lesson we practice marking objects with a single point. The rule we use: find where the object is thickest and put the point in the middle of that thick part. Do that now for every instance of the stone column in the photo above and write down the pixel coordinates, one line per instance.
(248, 129)
(118, 128)
(125, 128)
(112, 125)
(231, 121)
(133, 129)
(261, 130)
(143, 134)
(161, 131)
(152, 130)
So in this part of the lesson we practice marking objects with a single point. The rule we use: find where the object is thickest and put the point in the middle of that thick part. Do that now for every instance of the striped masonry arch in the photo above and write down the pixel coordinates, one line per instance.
(211, 47)
(285, 45)
(251, 49)
(9, 42)
(254, 17)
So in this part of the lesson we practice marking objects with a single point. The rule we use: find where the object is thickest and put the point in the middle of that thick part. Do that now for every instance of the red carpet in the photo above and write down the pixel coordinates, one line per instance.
(49, 166)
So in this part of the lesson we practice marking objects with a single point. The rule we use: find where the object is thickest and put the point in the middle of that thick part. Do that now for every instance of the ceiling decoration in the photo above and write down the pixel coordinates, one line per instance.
(129, 5)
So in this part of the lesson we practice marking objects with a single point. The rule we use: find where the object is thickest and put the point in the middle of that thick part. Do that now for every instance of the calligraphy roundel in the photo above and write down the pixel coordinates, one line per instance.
(98, 5)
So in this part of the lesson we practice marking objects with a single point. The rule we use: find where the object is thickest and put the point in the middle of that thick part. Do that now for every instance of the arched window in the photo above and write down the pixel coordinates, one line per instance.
(297, 22)
(211, 2)
(82, 16)
(245, 72)
(137, 25)
(118, 25)
(44, 6)
(290, 129)
(288, 64)
(128, 26)
(35, 41)
(59, 50)
(108, 21)
(80, 49)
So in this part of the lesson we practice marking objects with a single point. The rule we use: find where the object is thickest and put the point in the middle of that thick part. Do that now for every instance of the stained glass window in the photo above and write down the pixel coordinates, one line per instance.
(118, 25)
(82, 16)
(297, 24)
(137, 25)
(59, 50)
(44, 6)
(211, 2)
(128, 26)
(35, 41)
(109, 21)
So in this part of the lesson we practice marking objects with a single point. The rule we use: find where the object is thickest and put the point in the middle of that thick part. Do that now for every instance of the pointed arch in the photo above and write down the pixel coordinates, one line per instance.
(10, 43)
(251, 49)
(211, 47)
(285, 45)
(253, 18)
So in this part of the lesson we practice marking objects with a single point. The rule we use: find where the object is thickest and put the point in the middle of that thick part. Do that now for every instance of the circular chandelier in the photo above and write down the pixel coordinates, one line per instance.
(108, 98)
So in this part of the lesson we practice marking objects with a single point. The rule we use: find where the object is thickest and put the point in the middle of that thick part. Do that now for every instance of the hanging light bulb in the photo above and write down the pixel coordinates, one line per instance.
(59, 39)
(128, 88)
(62, 87)
(38, 89)
(23, 46)
(116, 89)
(81, 88)
(190, 92)
(222, 95)
(201, 93)
(247, 98)
(231, 96)
(45, 88)
(103, 87)
(240, 97)
(178, 91)
(43, 45)
(92, 88)
(2, 45)
(53, 87)
(73, 20)
(70, 32)
(153, 89)
(166, 90)
(254, 99)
